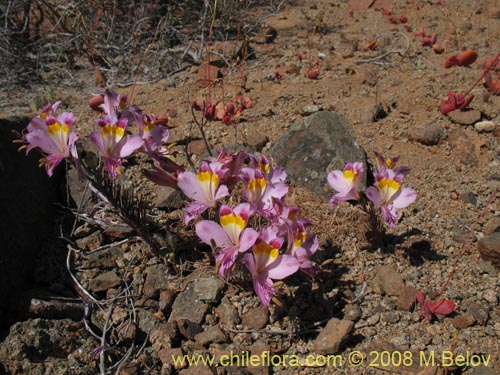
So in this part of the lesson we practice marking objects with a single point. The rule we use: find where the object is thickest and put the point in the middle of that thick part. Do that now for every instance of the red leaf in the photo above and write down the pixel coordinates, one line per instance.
(467, 57)
(451, 61)
(441, 307)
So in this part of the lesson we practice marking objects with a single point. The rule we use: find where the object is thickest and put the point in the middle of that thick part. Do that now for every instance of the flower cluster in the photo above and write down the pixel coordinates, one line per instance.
(387, 194)
(227, 113)
(278, 246)
(53, 136)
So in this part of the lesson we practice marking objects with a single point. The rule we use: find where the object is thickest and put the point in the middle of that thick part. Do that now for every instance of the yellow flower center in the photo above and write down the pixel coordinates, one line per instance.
(349, 175)
(257, 184)
(265, 254)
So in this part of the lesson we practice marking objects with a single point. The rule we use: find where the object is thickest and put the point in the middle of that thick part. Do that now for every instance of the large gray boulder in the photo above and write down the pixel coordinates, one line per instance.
(312, 148)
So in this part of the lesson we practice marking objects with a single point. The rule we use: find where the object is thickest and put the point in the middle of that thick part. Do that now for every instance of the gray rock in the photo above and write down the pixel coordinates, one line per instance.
(255, 318)
(102, 259)
(227, 313)
(332, 336)
(209, 289)
(105, 281)
(310, 109)
(90, 242)
(388, 281)
(428, 135)
(479, 312)
(156, 280)
(311, 149)
(462, 146)
(465, 117)
(147, 321)
(188, 305)
(210, 335)
(489, 248)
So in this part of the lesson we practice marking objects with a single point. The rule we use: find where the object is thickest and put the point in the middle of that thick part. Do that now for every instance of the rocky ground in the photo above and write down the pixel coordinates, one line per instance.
(149, 307)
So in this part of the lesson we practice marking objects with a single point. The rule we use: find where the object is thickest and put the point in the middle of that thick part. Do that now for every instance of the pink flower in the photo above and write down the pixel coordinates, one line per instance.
(231, 237)
(204, 188)
(389, 195)
(260, 189)
(304, 246)
(382, 163)
(346, 182)
(113, 144)
(154, 133)
(52, 136)
(267, 264)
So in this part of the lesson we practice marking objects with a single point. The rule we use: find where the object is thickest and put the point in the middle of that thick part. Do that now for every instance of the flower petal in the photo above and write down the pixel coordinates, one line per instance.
(337, 181)
(373, 194)
(248, 238)
(282, 267)
(405, 198)
(209, 231)
(128, 145)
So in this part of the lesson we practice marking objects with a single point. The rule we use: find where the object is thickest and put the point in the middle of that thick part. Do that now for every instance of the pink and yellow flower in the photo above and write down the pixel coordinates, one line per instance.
(303, 247)
(346, 182)
(113, 144)
(267, 264)
(52, 136)
(389, 196)
(231, 237)
(204, 188)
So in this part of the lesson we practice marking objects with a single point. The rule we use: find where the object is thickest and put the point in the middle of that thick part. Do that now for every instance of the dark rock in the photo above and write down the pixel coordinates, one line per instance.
(79, 192)
(167, 298)
(479, 312)
(146, 322)
(168, 198)
(428, 135)
(311, 149)
(489, 248)
(407, 298)
(105, 281)
(188, 305)
(255, 318)
(210, 335)
(90, 242)
(55, 309)
(118, 232)
(332, 336)
(38, 346)
(227, 313)
(388, 281)
(156, 280)
(209, 289)
(463, 321)
(465, 117)
(188, 328)
(102, 259)
(462, 146)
